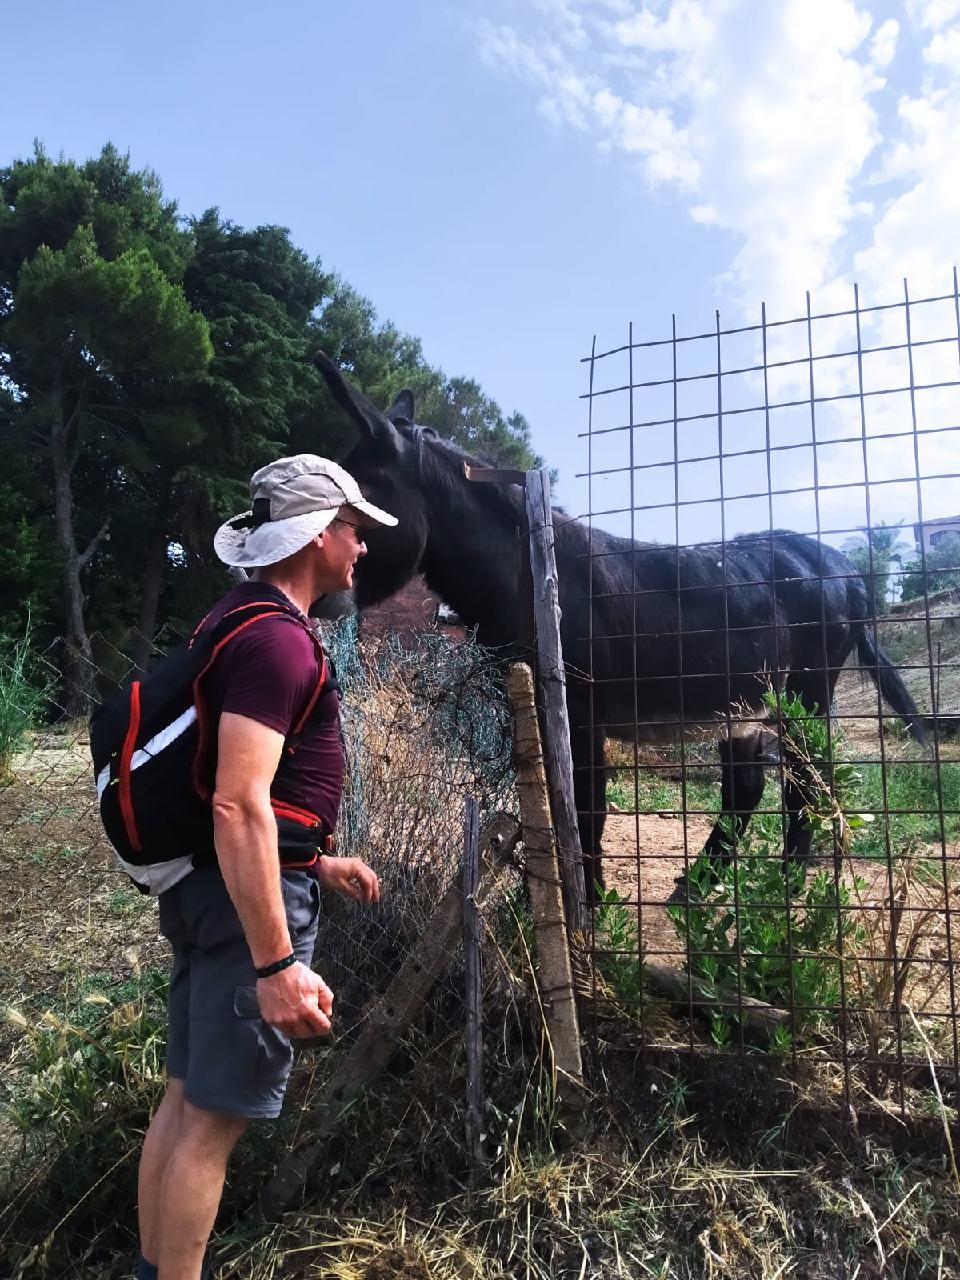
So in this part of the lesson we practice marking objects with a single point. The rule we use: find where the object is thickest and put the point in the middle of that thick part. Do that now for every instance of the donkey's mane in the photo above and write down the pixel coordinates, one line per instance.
(440, 462)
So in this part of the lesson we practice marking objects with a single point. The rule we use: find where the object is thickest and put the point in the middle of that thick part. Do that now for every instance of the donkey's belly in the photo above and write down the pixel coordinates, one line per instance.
(654, 728)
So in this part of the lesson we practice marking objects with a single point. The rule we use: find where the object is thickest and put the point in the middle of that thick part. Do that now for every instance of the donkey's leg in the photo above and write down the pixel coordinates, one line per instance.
(590, 796)
(741, 786)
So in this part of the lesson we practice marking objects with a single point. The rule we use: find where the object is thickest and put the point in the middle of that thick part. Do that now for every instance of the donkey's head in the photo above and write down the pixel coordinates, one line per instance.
(385, 465)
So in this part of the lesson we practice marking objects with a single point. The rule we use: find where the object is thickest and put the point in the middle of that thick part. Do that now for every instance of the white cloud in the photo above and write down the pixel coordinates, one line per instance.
(944, 51)
(933, 14)
(686, 26)
(825, 141)
(761, 116)
(883, 46)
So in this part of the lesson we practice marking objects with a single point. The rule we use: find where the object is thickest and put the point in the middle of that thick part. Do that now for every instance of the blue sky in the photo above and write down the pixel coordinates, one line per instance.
(508, 179)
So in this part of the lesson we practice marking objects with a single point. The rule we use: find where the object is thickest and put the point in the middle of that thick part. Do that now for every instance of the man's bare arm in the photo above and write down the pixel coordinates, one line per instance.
(296, 1000)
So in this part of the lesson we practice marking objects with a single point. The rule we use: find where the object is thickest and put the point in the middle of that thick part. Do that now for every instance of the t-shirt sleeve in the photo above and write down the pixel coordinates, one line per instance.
(268, 673)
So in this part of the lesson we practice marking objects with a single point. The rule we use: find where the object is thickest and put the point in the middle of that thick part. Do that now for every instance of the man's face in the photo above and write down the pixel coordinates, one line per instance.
(344, 545)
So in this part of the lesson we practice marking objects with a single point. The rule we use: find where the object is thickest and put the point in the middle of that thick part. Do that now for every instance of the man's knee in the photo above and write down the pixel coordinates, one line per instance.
(211, 1131)
(173, 1094)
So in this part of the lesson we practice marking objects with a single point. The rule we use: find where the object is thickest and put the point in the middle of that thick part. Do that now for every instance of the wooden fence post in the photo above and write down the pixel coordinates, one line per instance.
(552, 683)
(554, 973)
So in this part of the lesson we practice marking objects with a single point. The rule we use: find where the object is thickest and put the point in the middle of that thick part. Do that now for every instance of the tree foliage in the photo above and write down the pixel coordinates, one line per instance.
(874, 552)
(938, 570)
(148, 364)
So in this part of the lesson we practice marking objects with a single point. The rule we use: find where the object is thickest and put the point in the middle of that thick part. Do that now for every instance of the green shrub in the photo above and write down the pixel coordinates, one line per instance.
(758, 930)
(616, 948)
(757, 926)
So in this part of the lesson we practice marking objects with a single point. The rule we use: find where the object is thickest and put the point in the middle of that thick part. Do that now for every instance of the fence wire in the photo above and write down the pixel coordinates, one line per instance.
(843, 427)
(426, 725)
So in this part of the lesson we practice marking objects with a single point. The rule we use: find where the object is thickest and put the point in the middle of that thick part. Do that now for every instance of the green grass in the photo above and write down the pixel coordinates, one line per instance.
(912, 786)
(23, 696)
(78, 1094)
(656, 793)
(909, 786)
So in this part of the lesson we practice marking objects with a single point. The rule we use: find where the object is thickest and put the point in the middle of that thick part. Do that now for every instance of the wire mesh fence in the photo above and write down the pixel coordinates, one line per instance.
(426, 725)
(776, 769)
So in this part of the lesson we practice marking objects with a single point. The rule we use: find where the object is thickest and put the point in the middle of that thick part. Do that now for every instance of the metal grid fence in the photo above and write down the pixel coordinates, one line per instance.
(426, 725)
(843, 426)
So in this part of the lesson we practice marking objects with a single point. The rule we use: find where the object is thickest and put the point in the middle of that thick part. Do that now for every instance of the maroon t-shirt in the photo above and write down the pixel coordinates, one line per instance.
(269, 673)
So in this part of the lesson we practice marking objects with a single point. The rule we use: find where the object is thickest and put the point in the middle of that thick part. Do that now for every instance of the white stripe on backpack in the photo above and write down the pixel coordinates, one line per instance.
(157, 743)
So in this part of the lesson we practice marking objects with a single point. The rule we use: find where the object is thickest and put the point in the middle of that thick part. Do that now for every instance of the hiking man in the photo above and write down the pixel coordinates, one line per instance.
(243, 922)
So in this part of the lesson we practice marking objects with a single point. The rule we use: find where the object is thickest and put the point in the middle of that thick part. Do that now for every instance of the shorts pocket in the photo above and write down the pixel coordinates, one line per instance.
(245, 1002)
(301, 901)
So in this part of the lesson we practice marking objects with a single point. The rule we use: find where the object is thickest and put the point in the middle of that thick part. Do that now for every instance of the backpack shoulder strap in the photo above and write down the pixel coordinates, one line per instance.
(219, 635)
(238, 619)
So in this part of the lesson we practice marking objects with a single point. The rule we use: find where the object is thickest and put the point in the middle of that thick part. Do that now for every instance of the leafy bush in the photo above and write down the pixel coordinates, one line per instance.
(616, 948)
(759, 930)
(756, 926)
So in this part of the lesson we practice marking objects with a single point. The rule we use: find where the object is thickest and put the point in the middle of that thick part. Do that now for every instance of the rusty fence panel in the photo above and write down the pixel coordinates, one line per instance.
(718, 646)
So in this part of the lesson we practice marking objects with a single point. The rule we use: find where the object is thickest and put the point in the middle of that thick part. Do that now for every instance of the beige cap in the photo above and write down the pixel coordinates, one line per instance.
(294, 499)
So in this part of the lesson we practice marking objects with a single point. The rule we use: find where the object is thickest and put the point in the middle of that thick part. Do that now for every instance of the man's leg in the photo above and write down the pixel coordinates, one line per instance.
(158, 1145)
(192, 1185)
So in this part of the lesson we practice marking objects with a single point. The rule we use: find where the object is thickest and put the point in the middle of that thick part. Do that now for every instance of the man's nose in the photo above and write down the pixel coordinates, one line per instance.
(361, 549)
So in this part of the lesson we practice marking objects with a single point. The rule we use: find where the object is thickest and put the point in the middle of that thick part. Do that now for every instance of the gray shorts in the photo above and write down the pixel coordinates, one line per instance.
(228, 1057)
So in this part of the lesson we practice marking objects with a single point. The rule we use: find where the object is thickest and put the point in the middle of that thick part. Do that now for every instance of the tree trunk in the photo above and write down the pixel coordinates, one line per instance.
(150, 601)
(79, 673)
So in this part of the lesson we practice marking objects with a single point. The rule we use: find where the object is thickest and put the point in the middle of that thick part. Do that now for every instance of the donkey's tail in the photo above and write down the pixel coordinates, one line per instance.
(887, 679)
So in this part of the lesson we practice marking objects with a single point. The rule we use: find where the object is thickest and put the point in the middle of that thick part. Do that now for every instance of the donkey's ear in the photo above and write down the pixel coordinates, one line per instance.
(402, 410)
(372, 422)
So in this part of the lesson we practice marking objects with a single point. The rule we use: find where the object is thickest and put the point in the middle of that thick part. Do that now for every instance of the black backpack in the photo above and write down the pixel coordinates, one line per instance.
(155, 763)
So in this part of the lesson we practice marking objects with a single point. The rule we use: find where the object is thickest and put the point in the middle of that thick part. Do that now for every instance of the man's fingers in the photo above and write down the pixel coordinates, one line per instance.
(368, 885)
(312, 1024)
(325, 998)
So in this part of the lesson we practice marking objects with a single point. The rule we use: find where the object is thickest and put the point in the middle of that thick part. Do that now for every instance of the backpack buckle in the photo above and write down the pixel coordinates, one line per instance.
(329, 845)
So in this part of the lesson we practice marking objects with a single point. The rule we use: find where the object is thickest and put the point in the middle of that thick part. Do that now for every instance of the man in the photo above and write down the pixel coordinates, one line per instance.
(243, 923)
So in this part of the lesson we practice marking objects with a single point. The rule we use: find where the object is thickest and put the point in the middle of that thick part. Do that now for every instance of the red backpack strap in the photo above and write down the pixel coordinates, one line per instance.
(315, 696)
(265, 609)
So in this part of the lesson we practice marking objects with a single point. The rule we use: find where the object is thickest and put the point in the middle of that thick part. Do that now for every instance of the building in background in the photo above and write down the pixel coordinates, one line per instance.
(928, 533)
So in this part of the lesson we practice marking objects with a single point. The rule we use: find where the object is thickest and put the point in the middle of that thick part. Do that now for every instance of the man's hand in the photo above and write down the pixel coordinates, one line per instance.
(351, 877)
(296, 1001)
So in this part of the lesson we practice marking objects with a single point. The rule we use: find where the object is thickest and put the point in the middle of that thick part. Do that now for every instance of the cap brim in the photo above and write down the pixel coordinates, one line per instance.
(269, 542)
(374, 514)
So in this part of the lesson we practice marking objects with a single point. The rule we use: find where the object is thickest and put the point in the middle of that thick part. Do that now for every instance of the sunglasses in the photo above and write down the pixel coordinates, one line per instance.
(352, 523)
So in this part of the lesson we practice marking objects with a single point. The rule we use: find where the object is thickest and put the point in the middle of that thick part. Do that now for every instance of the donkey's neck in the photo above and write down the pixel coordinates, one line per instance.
(471, 558)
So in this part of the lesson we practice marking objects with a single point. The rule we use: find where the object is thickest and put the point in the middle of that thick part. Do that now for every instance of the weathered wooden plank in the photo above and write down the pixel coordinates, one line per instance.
(552, 687)
(390, 1017)
(680, 988)
(554, 975)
